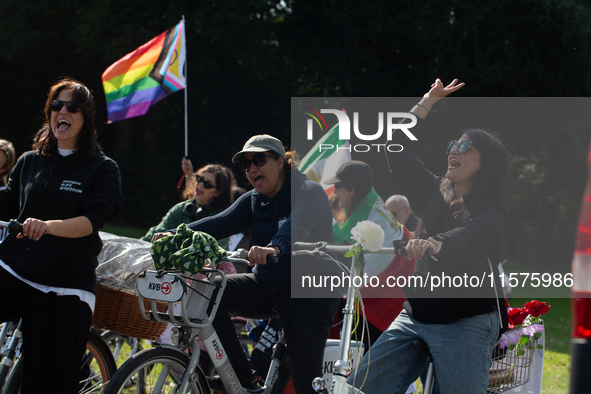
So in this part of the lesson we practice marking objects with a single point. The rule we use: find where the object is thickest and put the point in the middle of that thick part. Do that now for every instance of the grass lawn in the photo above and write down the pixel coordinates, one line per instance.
(125, 231)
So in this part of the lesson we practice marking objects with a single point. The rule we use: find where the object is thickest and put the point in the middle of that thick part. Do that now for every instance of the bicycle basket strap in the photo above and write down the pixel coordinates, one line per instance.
(160, 287)
(186, 251)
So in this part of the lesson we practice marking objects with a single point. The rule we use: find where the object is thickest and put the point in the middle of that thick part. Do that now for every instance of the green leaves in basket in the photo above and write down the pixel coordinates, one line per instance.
(186, 251)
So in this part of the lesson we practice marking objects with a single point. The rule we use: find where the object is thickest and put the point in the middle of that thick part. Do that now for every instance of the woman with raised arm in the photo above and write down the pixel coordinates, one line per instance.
(284, 207)
(466, 224)
(63, 193)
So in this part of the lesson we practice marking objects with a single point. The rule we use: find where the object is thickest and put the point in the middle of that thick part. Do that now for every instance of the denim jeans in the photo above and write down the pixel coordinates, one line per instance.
(306, 323)
(461, 351)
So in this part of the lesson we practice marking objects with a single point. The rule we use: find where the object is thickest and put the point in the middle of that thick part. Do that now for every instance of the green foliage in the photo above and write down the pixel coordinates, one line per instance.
(247, 58)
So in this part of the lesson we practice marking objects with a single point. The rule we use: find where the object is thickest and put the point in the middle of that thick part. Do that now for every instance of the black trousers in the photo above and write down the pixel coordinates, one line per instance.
(306, 323)
(55, 332)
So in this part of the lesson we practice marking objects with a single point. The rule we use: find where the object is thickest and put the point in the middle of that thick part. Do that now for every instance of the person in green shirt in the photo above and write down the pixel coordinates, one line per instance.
(207, 193)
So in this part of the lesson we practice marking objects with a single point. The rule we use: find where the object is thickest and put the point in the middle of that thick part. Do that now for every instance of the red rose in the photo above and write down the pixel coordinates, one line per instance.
(507, 304)
(517, 315)
(537, 308)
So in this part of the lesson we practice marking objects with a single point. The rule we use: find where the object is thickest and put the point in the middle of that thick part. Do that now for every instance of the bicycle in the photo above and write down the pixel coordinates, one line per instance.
(98, 364)
(501, 377)
(343, 367)
(167, 369)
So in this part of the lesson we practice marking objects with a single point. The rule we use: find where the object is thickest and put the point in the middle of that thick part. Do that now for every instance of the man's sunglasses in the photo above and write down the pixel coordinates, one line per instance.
(462, 146)
(206, 184)
(57, 105)
(259, 160)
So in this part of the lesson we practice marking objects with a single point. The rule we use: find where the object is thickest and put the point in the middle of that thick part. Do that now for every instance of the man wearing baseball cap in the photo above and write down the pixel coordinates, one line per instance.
(353, 187)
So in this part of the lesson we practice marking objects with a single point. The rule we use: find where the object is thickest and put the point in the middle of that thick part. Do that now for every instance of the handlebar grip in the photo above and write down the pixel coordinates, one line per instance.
(14, 227)
(401, 250)
(243, 254)
(428, 253)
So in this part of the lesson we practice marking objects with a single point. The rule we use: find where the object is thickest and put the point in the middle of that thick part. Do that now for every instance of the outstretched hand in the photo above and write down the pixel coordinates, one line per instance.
(438, 90)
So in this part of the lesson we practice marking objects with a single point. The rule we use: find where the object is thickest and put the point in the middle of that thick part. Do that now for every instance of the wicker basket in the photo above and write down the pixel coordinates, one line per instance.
(118, 311)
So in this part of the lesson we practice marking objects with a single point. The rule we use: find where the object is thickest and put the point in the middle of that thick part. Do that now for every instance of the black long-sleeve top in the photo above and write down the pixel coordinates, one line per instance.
(465, 249)
(299, 212)
(55, 187)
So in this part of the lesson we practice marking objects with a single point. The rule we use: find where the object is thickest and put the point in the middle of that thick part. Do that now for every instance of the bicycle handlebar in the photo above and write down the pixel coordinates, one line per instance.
(13, 226)
(241, 255)
(316, 248)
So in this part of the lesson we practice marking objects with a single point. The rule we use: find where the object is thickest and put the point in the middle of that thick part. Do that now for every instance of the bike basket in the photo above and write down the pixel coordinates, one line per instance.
(119, 311)
(198, 305)
(509, 370)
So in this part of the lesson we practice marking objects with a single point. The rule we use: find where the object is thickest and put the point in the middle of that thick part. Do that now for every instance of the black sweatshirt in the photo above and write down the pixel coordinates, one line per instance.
(465, 249)
(302, 215)
(57, 188)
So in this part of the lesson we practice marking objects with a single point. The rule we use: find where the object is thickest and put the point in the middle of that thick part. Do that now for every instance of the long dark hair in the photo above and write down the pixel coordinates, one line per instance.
(224, 179)
(446, 210)
(87, 144)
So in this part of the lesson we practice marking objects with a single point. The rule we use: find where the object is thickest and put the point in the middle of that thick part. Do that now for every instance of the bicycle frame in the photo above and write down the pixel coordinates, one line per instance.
(342, 368)
(195, 305)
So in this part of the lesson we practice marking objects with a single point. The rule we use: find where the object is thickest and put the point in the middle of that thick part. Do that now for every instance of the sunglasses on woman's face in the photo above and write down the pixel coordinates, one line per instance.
(463, 146)
(206, 184)
(57, 105)
(259, 160)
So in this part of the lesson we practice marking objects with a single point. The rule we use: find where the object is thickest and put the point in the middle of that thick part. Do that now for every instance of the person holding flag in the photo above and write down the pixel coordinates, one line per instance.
(353, 188)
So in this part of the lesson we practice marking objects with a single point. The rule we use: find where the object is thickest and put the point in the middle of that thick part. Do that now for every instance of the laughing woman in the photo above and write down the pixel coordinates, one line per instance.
(63, 193)
(466, 224)
(284, 207)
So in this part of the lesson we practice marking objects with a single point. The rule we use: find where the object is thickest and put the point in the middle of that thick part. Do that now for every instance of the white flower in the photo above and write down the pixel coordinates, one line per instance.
(369, 234)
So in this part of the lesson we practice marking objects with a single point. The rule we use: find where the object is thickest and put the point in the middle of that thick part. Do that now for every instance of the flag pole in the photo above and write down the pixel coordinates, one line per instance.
(186, 87)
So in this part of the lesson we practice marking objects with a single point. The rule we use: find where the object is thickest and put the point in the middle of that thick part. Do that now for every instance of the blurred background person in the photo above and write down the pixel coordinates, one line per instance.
(356, 200)
(7, 161)
(400, 208)
(207, 193)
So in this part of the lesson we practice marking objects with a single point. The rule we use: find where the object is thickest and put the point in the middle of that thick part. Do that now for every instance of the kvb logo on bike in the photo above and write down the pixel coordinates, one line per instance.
(394, 121)
(219, 353)
(165, 287)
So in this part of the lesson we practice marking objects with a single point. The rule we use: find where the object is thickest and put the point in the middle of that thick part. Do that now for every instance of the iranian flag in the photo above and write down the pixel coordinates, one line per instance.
(320, 165)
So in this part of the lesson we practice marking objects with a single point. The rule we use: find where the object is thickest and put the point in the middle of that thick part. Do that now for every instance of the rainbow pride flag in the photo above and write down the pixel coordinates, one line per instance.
(147, 75)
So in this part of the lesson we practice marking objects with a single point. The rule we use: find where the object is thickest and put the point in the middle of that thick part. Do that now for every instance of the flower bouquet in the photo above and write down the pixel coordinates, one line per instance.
(525, 327)
(514, 353)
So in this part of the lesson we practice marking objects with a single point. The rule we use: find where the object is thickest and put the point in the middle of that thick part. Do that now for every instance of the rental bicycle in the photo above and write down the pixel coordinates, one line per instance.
(97, 367)
(343, 366)
(175, 369)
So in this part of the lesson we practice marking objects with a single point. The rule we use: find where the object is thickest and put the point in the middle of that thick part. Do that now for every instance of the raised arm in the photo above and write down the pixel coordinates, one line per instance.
(436, 93)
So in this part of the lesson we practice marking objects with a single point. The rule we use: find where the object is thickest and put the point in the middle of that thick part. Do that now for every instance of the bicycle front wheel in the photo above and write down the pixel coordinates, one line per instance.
(97, 368)
(156, 370)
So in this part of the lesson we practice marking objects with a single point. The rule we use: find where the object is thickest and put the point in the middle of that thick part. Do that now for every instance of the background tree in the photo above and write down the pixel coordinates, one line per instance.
(247, 58)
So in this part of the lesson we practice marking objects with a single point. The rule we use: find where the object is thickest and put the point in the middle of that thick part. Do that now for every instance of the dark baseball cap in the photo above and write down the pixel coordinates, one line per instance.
(356, 174)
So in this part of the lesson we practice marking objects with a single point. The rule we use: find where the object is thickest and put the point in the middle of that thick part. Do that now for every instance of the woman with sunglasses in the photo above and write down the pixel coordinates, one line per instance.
(63, 193)
(208, 192)
(284, 207)
(466, 224)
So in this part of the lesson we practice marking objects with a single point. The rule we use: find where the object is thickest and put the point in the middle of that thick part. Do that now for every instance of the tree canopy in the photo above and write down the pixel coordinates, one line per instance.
(247, 58)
